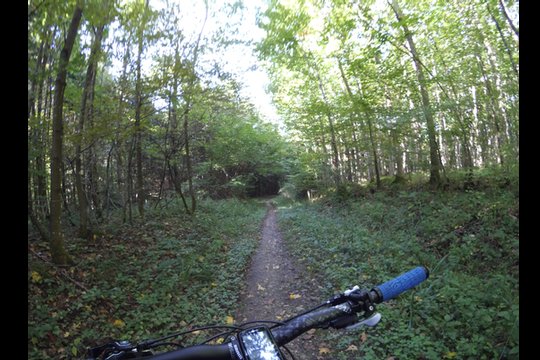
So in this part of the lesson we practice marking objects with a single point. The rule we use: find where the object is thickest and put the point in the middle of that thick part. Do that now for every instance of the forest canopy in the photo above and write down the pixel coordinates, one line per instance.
(153, 169)
(128, 106)
(373, 88)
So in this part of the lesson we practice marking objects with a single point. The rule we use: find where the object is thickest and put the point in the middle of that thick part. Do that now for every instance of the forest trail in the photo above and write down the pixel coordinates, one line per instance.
(277, 288)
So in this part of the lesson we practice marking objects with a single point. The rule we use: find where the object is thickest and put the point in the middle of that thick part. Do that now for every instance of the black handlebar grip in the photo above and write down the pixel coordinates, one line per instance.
(198, 352)
(403, 282)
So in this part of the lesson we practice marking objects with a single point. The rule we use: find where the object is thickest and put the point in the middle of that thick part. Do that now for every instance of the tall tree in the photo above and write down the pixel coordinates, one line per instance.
(86, 113)
(189, 91)
(138, 106)
(435, 165)
(58, 252)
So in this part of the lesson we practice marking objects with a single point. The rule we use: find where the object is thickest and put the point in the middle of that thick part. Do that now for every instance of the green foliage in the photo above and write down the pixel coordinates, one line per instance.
(349, 63)
(243, 149)
(145, 280)
(469, 306)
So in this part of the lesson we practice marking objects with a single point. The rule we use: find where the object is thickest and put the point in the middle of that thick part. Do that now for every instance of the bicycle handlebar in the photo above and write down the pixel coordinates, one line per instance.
(199, 352)
(297, 326)
(403, 282)
(339, 312)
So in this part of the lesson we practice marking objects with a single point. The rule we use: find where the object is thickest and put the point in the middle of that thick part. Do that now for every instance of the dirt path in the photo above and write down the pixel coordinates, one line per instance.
(277, 288)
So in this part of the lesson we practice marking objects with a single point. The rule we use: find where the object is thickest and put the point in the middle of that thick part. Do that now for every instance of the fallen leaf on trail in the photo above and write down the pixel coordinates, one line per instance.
(363, 337)
(229, 320)
(119, 323)
(260, 288)
(294, 296)
(36, 277)
(324, 350)
(352, 348)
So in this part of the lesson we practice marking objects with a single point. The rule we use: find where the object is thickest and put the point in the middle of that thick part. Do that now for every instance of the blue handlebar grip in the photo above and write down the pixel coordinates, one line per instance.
(403, 282)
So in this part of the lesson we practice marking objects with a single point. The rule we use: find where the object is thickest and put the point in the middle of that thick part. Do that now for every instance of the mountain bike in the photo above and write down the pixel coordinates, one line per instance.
(263, 340)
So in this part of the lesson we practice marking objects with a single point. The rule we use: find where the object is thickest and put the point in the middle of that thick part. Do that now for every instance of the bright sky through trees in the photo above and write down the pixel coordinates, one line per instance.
(237, 59)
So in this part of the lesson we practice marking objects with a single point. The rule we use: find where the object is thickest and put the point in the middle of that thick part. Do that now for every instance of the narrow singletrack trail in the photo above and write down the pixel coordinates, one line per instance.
(278, 288)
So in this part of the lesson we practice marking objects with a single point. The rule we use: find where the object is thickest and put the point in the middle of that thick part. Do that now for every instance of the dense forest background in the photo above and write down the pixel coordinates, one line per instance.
(128, 114)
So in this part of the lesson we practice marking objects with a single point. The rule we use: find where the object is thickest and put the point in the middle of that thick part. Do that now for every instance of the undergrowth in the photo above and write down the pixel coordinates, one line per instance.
(468, 238)
(166, 274)
(173, 271)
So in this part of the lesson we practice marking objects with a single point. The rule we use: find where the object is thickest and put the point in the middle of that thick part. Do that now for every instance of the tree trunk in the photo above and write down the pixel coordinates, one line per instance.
(58, 252)
(188, 164)
(176, 145)
(493, 108)
(86, 112)
(173, 174)
(31, 213)
(503, 10)
(38, 133)
(120, 178)
(129, 180)
(505, 43)
(357, 107)
(333, 144)
(398, 156)
(435, 165)
(108, 181)
(189, 104)
(138, 129)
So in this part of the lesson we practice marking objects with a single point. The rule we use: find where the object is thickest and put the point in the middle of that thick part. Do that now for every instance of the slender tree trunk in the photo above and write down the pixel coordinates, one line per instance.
(322, 144)
(120, 178)
(31, 213)
(120, 181)
(129, 180)
(492, 105)
(189, 104)
(333, 143)
(356, 111)
(166, 152)
(435, 178)
(398, 156)
(503, 10)
(505, 43)
(38, 132)
(175, 145)
(138, 129)
(173, 174)
(108, 181)
(58, 252)
(367, 112)
(65, 195)
(86, 108)
(464, 123)
(188, 164)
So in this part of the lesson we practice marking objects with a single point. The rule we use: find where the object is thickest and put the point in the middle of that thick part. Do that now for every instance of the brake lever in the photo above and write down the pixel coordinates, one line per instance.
(114, 350)
(370, 321)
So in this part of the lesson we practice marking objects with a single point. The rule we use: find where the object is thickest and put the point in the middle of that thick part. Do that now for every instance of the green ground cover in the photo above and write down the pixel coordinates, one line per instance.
(142, 281)
(469, 306)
